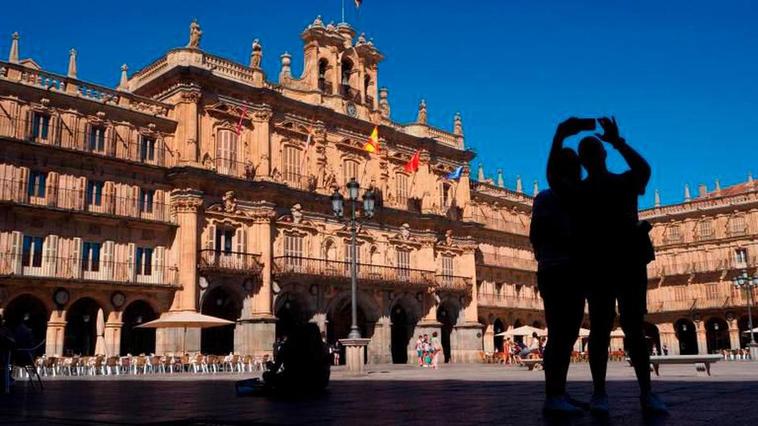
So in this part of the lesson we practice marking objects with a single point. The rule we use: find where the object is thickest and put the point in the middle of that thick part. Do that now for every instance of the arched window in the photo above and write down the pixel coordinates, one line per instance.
(323, 84)
(226, 151)
(346, 70)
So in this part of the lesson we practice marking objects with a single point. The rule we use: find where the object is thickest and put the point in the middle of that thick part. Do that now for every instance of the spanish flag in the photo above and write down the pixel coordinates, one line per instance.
(412, 165)
(373, 141)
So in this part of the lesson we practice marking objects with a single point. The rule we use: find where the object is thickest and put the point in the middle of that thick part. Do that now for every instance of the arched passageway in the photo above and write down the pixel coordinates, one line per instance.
(339, 322)
(497, 328)
(447, 315)
(81, 328)
(717, 335)
(27, 315)
(687, 336)
(221, 303)
(135, 340)
(652, 338)
(401, 332)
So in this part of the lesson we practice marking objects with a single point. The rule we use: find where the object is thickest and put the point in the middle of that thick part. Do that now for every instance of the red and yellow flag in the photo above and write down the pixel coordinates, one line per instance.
(373, 141)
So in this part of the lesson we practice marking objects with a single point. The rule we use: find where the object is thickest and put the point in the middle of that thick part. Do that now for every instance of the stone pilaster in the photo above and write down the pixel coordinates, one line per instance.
(56, 330)
(702, 345)
(734, 334)
(466, 342)
(191, 147)
(260, 149)
(379, 346)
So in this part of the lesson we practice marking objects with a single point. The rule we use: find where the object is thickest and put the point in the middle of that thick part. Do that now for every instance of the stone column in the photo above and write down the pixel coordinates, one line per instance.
(191, 147)
(379, 346)
(702, 346)
(260, 148)
(489, 338)
(113, 334)
(56, 330)
(186, 207)
(734, 334)
(256, 329)
(668, 338)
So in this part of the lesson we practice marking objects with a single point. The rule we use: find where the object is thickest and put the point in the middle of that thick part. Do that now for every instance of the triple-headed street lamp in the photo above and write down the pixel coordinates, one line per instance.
(369, 198)
(748, 283)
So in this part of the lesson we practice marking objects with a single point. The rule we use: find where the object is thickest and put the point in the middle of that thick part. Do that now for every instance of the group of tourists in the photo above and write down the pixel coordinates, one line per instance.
(592, 248)
(428, 350)
(516, 351)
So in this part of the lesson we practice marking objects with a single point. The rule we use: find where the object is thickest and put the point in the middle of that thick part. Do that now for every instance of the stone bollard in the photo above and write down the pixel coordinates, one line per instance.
(354, 355)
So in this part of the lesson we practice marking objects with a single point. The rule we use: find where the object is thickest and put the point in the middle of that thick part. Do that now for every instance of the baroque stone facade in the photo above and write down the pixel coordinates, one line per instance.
(200, 184)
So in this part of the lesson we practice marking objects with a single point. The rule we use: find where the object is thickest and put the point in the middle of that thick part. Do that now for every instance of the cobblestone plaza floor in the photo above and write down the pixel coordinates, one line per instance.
(392, 395)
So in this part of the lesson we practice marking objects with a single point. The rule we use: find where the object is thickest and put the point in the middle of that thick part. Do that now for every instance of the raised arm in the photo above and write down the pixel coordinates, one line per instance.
(639, 167)
(557, 180)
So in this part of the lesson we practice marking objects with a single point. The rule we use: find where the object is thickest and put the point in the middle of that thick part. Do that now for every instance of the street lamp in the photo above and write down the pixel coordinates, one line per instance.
(338, 200)
(745, 281)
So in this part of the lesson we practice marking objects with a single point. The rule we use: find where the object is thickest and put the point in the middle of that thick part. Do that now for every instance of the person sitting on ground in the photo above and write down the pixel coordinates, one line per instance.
(302, 363)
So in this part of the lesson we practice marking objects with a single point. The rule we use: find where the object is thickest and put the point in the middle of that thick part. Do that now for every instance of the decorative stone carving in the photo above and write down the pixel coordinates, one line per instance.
(297, 214)
(186, 200)
(230, 202)
(405, 231)
(421, 117)
(257, 55)
(458, 124)
(194, 35)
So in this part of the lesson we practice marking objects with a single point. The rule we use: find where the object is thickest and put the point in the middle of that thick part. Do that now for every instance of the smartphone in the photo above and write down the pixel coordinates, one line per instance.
(586, 124)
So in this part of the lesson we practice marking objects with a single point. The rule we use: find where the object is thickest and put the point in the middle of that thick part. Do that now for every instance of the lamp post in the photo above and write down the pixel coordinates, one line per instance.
(748, 283)
(369, 198)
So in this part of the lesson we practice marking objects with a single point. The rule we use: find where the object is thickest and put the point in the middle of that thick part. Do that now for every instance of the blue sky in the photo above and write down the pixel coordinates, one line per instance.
(680, 76)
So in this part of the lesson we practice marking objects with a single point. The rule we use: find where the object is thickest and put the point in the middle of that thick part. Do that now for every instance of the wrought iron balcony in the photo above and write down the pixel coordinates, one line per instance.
(325, 86)
(17, 191)
(51, 131)
(453, 283)
(340, 270)
(508, 262)
(231, 262)
(501, 301)
(38, 265)
(501, 225)
(232, 167)
(349, 93)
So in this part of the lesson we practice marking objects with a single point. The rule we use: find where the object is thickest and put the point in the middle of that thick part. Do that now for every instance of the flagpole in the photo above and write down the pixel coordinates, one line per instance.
(343, 11)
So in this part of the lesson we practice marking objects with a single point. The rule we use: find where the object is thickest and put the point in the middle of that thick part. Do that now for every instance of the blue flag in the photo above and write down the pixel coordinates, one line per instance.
(455, 174)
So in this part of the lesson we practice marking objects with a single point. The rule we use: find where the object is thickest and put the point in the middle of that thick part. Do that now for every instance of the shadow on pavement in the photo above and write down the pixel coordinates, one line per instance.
(366, 402)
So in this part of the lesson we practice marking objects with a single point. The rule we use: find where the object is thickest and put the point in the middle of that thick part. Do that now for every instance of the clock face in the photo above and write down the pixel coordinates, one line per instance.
(351, 109)
(118, 299)
(61, 296)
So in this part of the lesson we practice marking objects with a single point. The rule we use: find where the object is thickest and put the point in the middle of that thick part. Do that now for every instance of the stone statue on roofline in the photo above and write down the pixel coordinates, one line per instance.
(195, 35)
(257, 55)
(421, 117)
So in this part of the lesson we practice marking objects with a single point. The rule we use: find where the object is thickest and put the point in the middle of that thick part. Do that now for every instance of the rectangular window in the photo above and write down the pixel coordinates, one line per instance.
(401, 189)
(91, 256)
(224, 240)
(36, 184)
(403, 263)
(146, 200)
(444, 195)
(738, 225)
(94, 196)
(740, 257)
(40, 126)
(31, 254)
(706, 229)
(291, 166)
(712, 291)
(144, 261)
(97, 139)
(349, 257)
(293, 250)
(226, 152)
(680, 293)
(447, 266)
(147, 149)
(350, 170)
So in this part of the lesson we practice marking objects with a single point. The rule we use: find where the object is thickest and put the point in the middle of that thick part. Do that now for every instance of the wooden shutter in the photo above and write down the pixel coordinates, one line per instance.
(160, 212)
(131, 258)
(159, 260)
(23, 175)
(135, 201)
(28, 130)
(211, 241)
(53, 131)
(50, 256)
(16, 247)
(76, 258)
(108, 259)
(240, 246)
(108, 197)
(79, 193)
(51, 189)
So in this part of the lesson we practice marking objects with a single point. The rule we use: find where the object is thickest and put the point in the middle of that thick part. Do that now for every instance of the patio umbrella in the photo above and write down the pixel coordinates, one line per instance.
(618, 332)
(524, 330)
(185, 320)
(100, 330)
(755, 330)
(584, 332)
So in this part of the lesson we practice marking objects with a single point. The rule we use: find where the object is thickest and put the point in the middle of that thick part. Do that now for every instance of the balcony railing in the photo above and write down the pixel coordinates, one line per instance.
(55, 133)
(230, 262)
(453, 283)
(349, 93)
(509, 262)
(17, 191)
(295, 180)
(688, 268)
(292, 265)
(499, 301)
(325, 86)
(232, 167)
(72, 268)
(502, 225)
